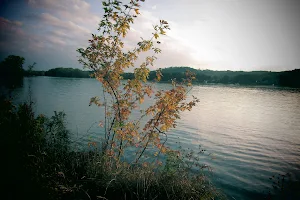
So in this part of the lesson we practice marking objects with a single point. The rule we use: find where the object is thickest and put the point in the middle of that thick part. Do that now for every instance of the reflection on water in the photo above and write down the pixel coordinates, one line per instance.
(252, 132)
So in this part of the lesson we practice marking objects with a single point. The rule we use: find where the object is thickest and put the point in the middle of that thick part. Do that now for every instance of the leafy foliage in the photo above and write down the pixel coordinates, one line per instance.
(290, 78)
(68, 72)
(11, 71)
(284, 186)
(35, 148)
(286, 78)
(108, 57)
(41, 164)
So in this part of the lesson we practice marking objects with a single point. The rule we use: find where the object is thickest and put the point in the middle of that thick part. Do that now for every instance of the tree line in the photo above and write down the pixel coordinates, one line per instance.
(41, 161)
(285, 78)
(12, 72)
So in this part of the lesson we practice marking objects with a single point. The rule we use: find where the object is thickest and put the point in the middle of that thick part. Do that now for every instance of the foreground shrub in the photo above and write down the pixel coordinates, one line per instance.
(40, 147)
(40, 164)
(101, 181)
(125, 132)
(32, 155)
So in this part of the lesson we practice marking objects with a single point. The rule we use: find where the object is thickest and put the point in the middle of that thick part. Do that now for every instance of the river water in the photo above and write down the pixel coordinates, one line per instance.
(249, 133)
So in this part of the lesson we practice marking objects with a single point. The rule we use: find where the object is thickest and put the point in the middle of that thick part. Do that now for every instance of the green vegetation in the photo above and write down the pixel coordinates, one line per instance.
(290, 78)
(68, 72)
(11, 71)
(285, 79)
(34, 146)
(31, 72)
(154, 170)
(34, 73)
(283, 187)
(41, 163)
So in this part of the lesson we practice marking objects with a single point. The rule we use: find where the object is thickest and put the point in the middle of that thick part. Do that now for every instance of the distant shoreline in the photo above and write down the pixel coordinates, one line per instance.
(289, 79)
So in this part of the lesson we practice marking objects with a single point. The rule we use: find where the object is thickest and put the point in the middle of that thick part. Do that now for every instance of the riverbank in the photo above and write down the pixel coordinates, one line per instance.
(243, 150)
(42, 164)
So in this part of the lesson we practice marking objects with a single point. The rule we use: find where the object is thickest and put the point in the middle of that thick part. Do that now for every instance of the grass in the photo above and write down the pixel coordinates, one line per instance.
(40, 163)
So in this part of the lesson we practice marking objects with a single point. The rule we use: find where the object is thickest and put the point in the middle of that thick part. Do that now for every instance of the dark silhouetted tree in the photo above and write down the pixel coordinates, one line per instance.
(11, 71)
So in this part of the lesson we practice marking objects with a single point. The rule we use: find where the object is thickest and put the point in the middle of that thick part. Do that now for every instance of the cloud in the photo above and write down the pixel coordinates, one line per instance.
(69, 26)
(68, 22)
(174, 51)
(4, 21)
(48, 28)
(10, 31)
(65, 5)
(8, 27)
(77, 11)
(214, 34)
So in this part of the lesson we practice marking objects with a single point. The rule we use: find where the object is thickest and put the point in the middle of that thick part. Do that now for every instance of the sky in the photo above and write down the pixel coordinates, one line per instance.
(243, 35)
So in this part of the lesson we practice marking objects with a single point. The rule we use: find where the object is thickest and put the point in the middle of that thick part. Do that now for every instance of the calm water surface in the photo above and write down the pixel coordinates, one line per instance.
(250, 133)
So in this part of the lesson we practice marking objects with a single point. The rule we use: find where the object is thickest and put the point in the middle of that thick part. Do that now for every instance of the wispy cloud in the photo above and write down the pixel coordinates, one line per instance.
(49, 25)
(4, 22)
(215, 34)
(10, 31)
(76, 11)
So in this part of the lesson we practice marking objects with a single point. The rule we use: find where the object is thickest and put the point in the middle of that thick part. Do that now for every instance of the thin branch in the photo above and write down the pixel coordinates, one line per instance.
(163, 142)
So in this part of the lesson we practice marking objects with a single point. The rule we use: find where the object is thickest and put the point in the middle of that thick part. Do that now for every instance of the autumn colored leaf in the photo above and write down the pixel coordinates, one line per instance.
(109, 58)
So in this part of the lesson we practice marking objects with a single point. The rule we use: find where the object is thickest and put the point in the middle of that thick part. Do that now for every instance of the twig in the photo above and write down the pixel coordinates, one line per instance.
(108, 185)
(86, 193)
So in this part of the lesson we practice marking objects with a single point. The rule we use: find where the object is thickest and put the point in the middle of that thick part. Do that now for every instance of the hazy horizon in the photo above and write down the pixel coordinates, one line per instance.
(37, 68)
(236, 35)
